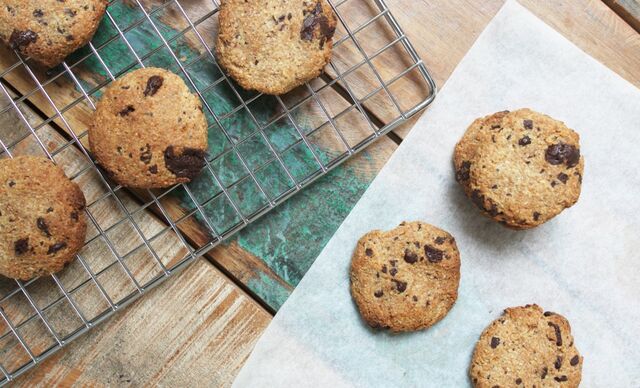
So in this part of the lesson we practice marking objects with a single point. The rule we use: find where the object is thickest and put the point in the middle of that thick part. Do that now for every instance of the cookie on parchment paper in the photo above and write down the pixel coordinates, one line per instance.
(48, 31)
(407, 278)
(273, 46)
(149, 130)
(526, 347)
(521, 168)
(42, 225)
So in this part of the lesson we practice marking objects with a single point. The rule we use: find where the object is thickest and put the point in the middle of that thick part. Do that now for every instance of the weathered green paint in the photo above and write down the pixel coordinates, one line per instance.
(291, 236)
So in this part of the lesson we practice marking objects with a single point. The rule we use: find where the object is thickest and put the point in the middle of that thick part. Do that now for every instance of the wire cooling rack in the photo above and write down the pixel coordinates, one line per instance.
(262, 150)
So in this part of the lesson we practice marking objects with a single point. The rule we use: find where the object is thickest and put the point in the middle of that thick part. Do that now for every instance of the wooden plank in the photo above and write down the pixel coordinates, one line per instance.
(628, 10)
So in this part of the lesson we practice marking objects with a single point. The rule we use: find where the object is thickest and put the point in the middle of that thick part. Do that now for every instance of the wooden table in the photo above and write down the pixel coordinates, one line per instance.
(199, 327)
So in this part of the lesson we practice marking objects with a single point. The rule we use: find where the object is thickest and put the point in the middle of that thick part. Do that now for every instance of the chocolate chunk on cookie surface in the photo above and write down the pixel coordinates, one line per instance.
(49, 31)
(407, 278)
(41, 222)
(526, 347)
(149, 130)
(274, 46)
(520, 168)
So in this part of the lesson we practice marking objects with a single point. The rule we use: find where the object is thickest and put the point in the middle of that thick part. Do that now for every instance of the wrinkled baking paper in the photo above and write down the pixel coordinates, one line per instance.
(584, 264)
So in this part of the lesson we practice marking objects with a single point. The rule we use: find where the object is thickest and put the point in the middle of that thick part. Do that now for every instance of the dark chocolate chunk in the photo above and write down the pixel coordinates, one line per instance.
(384, 268)
(186, 165)
(562, 153)
(479, 200)
(12, 183)
(42, 225)
(439, 240)
(410, 257)
(561, 379)
(153, 169)
(49, 210)
(526, 140)
(38, 13)
(463, 173)
(128, 109)
(74, 215)
(518, 381)
(20, 39)
(558, 333)
(21, 246)
(56, 247)
(558, 363)
(545, 370)
(378, 294)
(495, 126)
(393, 271)
(536, 216)
(368, 252)
(434, 255)
(548, 313)
(145, 154)
(153, 84)
(495, 341)
(574, 360)
(528, 124)
(315, 18)
(400, 286)
(562, 177)
(415, 298)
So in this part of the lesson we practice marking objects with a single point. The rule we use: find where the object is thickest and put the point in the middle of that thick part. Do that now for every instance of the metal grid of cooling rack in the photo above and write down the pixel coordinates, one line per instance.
(263, 149)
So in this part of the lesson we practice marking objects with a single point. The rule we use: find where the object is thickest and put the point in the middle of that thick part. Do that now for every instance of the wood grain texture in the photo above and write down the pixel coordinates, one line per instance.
(628, 10)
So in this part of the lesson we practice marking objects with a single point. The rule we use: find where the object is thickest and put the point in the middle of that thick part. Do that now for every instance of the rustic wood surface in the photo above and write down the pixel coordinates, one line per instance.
(629, 10)
(270, 257)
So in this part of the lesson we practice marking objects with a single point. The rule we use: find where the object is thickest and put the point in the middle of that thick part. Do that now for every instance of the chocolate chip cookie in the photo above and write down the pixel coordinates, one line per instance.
(526, 347)
(149, 130)
(274, 46)
(42, 224)
(520, 168)
(407, 278)
(48, 31)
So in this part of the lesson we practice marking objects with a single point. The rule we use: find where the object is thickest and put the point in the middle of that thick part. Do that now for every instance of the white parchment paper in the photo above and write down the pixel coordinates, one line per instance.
(584, 264)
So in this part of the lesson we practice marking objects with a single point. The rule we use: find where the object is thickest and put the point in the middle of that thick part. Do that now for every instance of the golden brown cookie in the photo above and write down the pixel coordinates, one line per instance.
(520, 168)
(48, 31)
(526, 348)
(42, 225)
(274, 46)
(149, 131)
(407, 278)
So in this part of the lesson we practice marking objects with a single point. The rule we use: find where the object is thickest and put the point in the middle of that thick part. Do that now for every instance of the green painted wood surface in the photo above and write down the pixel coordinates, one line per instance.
(287, 240)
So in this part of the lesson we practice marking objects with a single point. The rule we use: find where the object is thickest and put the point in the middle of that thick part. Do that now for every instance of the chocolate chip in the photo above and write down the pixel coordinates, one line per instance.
(128, 109)
(562, 177)
(42, 225)
(553, 183)
(528, 124)
(518, 381)
(153, 169)
(415, 298)
(479, 200)
(439, 240)
(410, 257)
(186, 165)
(378, 294)
(558, 333)
(393, 262)
(495, 341)
(558, 363)
(561, 379)
(545, 370)
(548, 313)
(56, 247)
(313, 19)
(433, 255)
(393, 271)
(463, 173)
(70, 12)
(21, 246)
(400, 286)
(20, 39)
(526, 140)
(384, 268)
(574, 360)
(153, 84)
(368, 252)
(49, 210)
(145, 154)
(495, 126)
(12, 183)
(562, 153)
(536, 216)
(38, 13)
(74, 215)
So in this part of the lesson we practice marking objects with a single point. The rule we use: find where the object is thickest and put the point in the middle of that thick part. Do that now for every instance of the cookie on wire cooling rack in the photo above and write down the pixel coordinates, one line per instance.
(42, 225)
(273, 46)
(407, 278)
(48, 31)
(149, 130)
(521, 168)
(526, 347)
